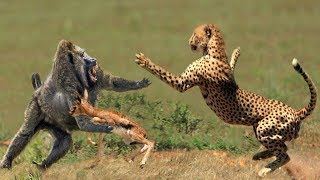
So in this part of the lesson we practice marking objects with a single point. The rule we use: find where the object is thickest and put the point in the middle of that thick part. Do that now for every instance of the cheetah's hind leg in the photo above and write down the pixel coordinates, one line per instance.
(273, 142)
(279, 150)
(262, 155)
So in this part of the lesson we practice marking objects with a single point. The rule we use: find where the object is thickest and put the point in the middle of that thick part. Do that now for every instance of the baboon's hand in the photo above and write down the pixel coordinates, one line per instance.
(143, 83)
(142, 60)
(74, 108)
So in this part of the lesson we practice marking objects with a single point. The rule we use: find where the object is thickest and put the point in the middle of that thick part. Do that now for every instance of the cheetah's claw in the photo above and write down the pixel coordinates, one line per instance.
(142, 60)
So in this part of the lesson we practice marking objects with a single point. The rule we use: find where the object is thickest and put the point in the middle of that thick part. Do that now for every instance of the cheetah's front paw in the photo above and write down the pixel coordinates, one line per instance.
(142, 60)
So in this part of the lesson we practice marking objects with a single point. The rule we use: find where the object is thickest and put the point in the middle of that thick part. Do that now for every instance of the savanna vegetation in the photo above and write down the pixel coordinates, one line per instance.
(191, 141)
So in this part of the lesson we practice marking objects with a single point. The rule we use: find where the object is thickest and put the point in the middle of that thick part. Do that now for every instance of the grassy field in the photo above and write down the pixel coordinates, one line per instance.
(270, 34)
(173, 165)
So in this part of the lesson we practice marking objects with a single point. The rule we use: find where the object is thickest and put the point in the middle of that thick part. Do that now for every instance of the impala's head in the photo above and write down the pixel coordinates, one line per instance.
(82, 106)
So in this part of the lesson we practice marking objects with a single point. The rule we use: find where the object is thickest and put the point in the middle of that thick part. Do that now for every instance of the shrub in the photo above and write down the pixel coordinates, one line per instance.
(170, 125)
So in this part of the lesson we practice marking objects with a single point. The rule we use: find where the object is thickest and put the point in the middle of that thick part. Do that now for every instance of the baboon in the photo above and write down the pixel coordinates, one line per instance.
(73, 71)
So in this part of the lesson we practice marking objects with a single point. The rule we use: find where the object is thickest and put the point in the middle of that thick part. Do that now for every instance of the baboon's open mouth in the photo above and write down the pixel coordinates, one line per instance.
(92, 73)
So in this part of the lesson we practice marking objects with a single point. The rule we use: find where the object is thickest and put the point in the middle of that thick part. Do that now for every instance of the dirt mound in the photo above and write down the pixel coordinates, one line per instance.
(177, 164)
(304, 166)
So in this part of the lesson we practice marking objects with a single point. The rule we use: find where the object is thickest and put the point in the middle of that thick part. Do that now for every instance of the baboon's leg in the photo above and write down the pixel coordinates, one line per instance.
(23, 136)
(61, 145)
(36, 83)
(85, 124)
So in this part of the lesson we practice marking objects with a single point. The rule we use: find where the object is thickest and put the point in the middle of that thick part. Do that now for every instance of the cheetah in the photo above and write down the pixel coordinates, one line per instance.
(273, 122)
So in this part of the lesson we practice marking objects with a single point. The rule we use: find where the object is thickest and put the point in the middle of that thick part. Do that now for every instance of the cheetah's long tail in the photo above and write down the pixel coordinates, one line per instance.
(305, 111)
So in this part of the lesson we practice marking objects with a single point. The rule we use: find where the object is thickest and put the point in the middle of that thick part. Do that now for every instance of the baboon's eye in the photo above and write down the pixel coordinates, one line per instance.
(82, 54)
(70, 58)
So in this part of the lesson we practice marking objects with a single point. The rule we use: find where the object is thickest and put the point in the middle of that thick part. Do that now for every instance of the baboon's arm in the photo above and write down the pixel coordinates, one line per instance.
(115, 83)
(85, 123)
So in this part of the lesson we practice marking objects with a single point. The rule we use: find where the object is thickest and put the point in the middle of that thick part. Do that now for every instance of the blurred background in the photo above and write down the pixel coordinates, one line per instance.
(270, 34)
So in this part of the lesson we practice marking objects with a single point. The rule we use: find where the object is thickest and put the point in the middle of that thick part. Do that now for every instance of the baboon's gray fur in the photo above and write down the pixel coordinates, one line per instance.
(50, 104)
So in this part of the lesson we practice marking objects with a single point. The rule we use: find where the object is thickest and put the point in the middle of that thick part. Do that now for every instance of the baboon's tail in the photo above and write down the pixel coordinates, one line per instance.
(36, 81)
(306, 111)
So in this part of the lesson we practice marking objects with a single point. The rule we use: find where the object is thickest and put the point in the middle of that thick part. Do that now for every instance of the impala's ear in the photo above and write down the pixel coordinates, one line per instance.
(85, 95)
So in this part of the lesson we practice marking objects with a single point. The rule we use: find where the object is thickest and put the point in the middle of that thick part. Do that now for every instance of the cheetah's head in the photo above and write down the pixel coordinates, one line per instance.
(201, 36)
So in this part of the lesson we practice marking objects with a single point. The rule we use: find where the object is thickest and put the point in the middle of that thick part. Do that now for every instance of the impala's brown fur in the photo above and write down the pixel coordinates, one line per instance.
(122, 125)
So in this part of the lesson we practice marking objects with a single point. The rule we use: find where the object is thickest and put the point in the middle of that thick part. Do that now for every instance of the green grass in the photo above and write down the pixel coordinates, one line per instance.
(270, 34)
